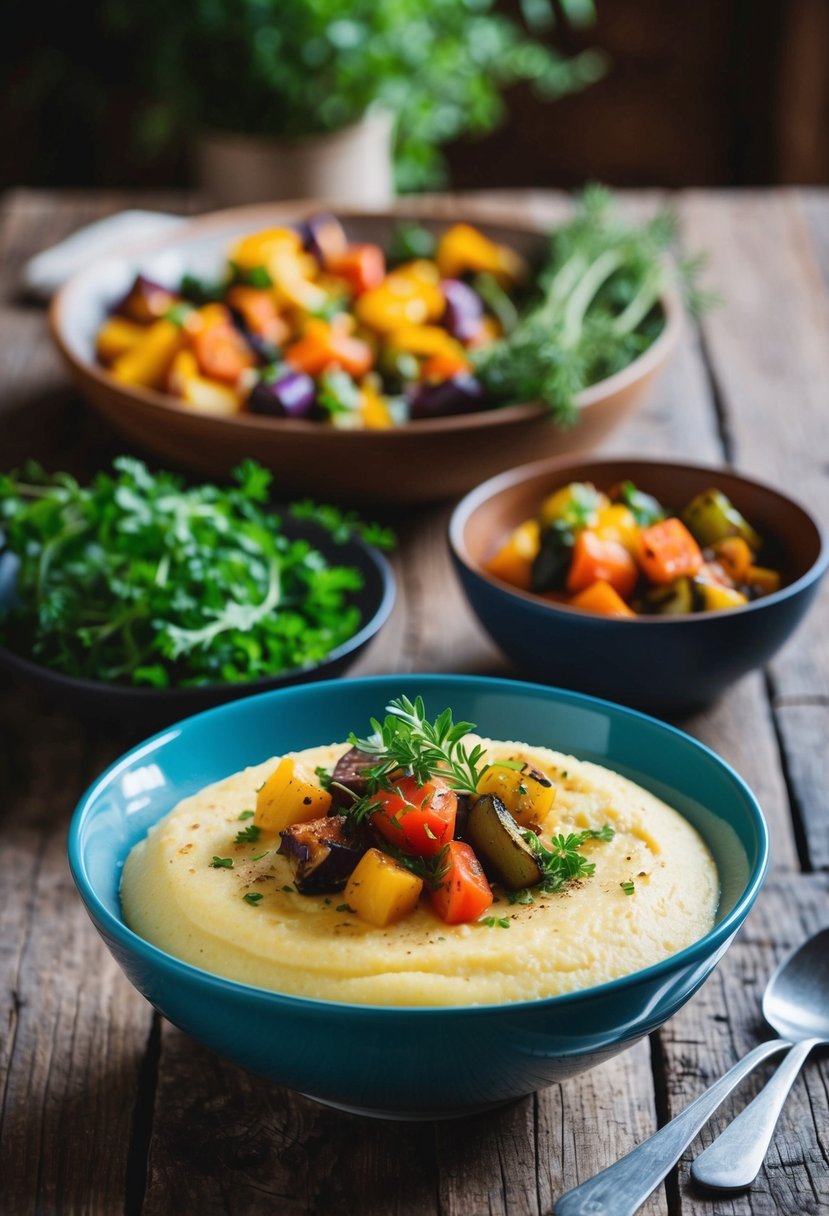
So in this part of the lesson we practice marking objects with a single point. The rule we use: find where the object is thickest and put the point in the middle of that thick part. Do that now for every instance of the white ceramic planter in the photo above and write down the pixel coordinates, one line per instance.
(352, 166)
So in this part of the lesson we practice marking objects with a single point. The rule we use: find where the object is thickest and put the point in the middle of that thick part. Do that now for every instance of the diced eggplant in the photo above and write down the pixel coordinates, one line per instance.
(292, 395)
(265, 351)
(146, 300)
(323, 236)
(552, 562)
(464, 309)
(320, 853)
(349, 772)
(461, 394)
(499, 845)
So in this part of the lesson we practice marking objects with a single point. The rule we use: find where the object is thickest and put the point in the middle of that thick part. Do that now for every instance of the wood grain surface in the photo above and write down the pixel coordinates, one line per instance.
(106, 1108)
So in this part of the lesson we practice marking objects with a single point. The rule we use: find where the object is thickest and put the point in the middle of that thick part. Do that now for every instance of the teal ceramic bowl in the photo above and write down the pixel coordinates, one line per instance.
(404, 1061)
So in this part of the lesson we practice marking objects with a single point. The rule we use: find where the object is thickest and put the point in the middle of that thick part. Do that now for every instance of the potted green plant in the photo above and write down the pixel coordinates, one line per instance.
(337, 98)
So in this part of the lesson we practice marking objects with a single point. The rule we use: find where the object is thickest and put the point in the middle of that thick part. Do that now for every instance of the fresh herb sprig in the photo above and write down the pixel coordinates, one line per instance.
(407, 741)
(560, 861)
(599, 309)
(139, 579)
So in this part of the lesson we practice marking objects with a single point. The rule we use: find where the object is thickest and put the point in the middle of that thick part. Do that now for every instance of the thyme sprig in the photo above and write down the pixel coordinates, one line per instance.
(407, 741)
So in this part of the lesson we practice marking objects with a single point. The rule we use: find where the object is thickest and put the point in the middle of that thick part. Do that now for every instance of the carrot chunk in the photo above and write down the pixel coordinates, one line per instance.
(667, 551)
(596, 559)
(600, 597)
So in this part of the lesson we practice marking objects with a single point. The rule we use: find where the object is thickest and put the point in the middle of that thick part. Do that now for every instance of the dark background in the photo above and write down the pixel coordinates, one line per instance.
(698, 92)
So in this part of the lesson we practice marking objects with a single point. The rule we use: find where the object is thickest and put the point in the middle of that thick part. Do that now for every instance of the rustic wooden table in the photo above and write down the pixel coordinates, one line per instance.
(107, 1108)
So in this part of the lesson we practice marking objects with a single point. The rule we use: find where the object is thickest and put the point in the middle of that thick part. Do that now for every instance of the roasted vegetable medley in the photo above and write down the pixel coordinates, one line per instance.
(416, 812)
(306, 324)
(623, 554)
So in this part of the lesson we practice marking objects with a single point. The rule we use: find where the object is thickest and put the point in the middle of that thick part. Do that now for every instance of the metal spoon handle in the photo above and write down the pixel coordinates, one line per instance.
(734, 1159)
(622, 1188)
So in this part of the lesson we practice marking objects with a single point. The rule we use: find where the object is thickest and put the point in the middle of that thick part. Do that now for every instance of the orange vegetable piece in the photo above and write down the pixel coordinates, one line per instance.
(444, 366)
(735, 556)
(514, 560)
(221, 352)
(362, 266)
(464, 894)
(763, 580)
(667, 551)
(598, 560)
(148, 361)
(258, 310)
(463, 249)
(116, 336)
(409, 295)
(323, 345)
(603, 599)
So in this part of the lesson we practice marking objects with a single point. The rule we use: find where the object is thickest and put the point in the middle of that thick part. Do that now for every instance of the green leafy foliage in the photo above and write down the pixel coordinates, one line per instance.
(406, 740)
(311, 66)
(561, 861)
(598, 309)
(137, 579)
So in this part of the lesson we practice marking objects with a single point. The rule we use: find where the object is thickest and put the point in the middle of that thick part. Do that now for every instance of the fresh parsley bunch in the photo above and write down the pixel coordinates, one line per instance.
(137, 579)
(599, 307)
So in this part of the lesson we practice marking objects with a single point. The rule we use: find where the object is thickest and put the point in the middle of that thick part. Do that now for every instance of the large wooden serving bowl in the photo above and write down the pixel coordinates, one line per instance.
(420, 462)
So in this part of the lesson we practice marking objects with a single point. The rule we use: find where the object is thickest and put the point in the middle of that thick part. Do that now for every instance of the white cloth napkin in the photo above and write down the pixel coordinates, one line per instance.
(47, 271)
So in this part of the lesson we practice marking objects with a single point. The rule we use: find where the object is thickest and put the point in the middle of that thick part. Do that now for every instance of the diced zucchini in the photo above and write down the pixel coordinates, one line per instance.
(716, 598)
(502, 850)
(711, 517)
(290, 795)
(381, 891)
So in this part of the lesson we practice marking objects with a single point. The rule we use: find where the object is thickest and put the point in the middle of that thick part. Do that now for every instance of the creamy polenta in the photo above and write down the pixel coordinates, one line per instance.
(654, 891)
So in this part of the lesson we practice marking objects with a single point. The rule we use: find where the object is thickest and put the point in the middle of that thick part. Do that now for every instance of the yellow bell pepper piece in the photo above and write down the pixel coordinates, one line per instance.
(617, 522)
(147, 363)
(258, 248)
(463, 249)
(529, 799)
(425, 340)
(381, 891)
(579, 502)
(290, 795)
(410, 295)
(374, 410)
(513, 562)
(717, 598)
(116, 336)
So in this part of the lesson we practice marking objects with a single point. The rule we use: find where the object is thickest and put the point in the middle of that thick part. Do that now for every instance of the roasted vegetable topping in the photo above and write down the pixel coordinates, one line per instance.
(622, 553)
(497, 840)
(321, 854)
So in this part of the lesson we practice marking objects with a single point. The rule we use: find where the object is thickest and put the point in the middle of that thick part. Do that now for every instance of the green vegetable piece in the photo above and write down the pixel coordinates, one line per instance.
(551, 563)
(646, 509)
(500, 846)
(671, 599)
(711, 517)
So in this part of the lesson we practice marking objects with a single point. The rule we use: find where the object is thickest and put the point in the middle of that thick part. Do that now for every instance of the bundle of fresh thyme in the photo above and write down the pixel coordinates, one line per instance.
(599, 307)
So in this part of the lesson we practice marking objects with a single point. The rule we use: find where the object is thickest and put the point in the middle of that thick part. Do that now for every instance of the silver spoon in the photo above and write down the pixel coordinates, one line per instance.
(622, 1188)
(796, 1005)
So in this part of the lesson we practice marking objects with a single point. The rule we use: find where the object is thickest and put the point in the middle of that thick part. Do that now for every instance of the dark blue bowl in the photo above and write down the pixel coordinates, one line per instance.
(403, 1061)
(662, 664)
(147, 708)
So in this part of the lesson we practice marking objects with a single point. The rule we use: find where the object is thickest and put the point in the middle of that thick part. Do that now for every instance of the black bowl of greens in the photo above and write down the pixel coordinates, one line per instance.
(139, 600)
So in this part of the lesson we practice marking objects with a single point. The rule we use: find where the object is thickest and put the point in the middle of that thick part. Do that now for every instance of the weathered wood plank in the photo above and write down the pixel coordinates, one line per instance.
(721, 1024)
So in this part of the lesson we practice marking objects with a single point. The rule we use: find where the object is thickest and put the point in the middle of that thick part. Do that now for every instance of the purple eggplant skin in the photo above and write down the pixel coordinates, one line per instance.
(264, 350)
(461, 394)
(146, 300)
(291, 396)
(349, 775)
(324, 237)
(464, 309)
(321, 854)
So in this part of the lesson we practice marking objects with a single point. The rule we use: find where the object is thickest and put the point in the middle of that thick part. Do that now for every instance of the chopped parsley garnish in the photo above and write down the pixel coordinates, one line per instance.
(252, 897)
(246, 814)
(501, 922)
(285, 886)
(222, 863)
(628, 887)
(561, 861)
(248, 835)
(259, 856)
(323, 776)
(524, 896)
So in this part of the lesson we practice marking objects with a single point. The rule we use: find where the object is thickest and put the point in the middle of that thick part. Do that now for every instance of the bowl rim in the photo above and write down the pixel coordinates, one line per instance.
(162, 404)
(138, 695)
(494, 486)
(710, 944)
